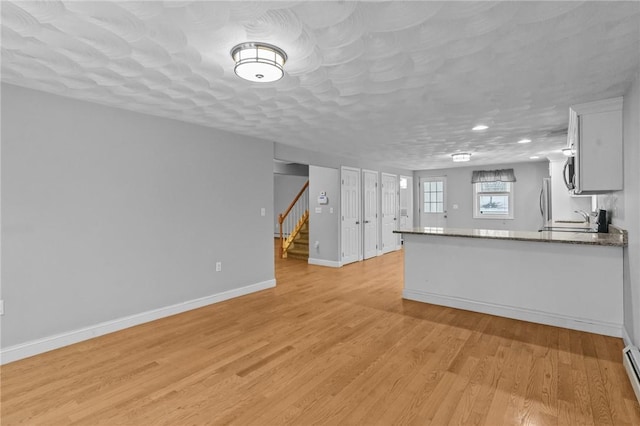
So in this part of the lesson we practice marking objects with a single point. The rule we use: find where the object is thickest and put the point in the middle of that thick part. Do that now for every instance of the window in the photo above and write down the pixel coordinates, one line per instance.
(493, 200)
(433, 196)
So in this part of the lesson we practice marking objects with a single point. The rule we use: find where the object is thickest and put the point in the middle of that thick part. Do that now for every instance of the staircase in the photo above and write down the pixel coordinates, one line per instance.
(299, 248)
(294, 226)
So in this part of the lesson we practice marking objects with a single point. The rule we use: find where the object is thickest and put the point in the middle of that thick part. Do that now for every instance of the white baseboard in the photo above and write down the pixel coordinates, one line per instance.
(626, 338)
(322, 262)
(35, 347)
(598, 327)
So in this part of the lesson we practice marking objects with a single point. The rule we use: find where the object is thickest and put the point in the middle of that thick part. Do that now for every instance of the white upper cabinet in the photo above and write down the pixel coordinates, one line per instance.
(595, 133)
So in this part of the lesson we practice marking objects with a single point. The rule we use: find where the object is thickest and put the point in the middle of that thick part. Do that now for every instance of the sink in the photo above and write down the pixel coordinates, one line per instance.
(568, 229)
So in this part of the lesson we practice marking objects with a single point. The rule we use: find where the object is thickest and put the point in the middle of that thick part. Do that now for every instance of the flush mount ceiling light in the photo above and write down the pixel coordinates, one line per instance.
(461, 156)
(258, 62)
(568, 152)
(524, 141)
(480, 127)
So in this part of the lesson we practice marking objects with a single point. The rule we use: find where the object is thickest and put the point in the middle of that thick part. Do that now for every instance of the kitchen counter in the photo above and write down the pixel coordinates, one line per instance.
(614, 238)
(572, 280)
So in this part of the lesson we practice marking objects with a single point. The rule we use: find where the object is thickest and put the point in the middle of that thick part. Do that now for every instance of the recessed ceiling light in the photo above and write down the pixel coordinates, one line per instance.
(258, 62)
(524, 141)
(480, 127)
(461, 156)
(534, 157)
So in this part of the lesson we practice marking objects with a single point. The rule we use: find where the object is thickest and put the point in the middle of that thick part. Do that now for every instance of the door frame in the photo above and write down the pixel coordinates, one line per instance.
(358, 205)
(396, 240)
(408, 191)
(375, 219)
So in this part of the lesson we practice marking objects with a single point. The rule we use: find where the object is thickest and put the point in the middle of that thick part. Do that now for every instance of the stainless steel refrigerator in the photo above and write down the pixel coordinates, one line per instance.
(545, 202)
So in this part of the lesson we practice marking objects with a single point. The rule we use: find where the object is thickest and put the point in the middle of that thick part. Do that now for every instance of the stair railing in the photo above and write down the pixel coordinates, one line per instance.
(294, 218)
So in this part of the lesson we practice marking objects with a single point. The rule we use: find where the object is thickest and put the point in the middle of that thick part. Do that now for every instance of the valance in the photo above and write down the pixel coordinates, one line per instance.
(504, 175)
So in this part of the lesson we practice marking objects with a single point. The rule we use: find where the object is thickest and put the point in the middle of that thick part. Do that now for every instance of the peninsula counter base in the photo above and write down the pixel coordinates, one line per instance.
(567, 285)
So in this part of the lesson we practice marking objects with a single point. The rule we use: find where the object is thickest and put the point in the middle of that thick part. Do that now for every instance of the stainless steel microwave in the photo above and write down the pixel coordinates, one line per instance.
(569, 173)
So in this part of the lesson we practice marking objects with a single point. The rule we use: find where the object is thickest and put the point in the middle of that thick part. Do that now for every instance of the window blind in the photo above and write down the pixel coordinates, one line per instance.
(504, 175)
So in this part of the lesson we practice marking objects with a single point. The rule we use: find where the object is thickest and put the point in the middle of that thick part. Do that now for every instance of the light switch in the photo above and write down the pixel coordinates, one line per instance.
(318, 209)
(263, 211)
(330, 209)
(455, 207)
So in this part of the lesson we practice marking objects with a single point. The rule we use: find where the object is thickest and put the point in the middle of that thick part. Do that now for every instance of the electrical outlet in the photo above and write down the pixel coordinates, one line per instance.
(218, 266)
(1, 307)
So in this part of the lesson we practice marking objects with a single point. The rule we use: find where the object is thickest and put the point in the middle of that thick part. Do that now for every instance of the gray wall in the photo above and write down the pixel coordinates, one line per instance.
(460, 191)
(108, 213)
(324, 227)
(285, 188)
(625, 206)
(292, 169)
(303, 156)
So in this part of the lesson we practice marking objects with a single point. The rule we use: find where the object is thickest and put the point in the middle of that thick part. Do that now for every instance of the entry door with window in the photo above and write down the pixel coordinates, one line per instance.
(370, 213)
(433, 202)
(350, 211)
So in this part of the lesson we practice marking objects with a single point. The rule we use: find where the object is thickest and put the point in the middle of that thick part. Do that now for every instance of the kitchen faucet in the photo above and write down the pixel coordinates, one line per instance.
(584, 215)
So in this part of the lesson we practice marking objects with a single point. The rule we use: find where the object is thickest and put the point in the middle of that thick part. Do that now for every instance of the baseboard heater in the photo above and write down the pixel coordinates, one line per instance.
(631, 361)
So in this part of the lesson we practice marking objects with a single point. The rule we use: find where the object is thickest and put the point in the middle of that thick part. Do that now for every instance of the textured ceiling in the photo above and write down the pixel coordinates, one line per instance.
(400, 83)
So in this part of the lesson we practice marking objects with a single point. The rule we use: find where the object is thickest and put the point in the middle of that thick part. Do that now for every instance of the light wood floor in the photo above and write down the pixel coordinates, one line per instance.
(327, 346)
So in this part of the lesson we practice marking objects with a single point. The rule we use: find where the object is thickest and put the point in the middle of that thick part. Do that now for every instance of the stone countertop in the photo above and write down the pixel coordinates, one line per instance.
(615, 237)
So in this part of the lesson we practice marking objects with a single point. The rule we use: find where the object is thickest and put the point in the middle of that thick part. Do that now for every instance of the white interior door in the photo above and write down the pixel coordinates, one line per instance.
(370, 213)
(350, 211)
(406, 202)
(389, 212)
(433, 202)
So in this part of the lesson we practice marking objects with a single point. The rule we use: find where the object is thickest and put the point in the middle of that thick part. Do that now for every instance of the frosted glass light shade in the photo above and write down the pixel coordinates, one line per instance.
(461, 156)
(480, 127)
(259, 62)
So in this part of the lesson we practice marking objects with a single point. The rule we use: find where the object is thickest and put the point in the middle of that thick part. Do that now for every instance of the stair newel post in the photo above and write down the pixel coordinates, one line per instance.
(281, 236)
(287, 219)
